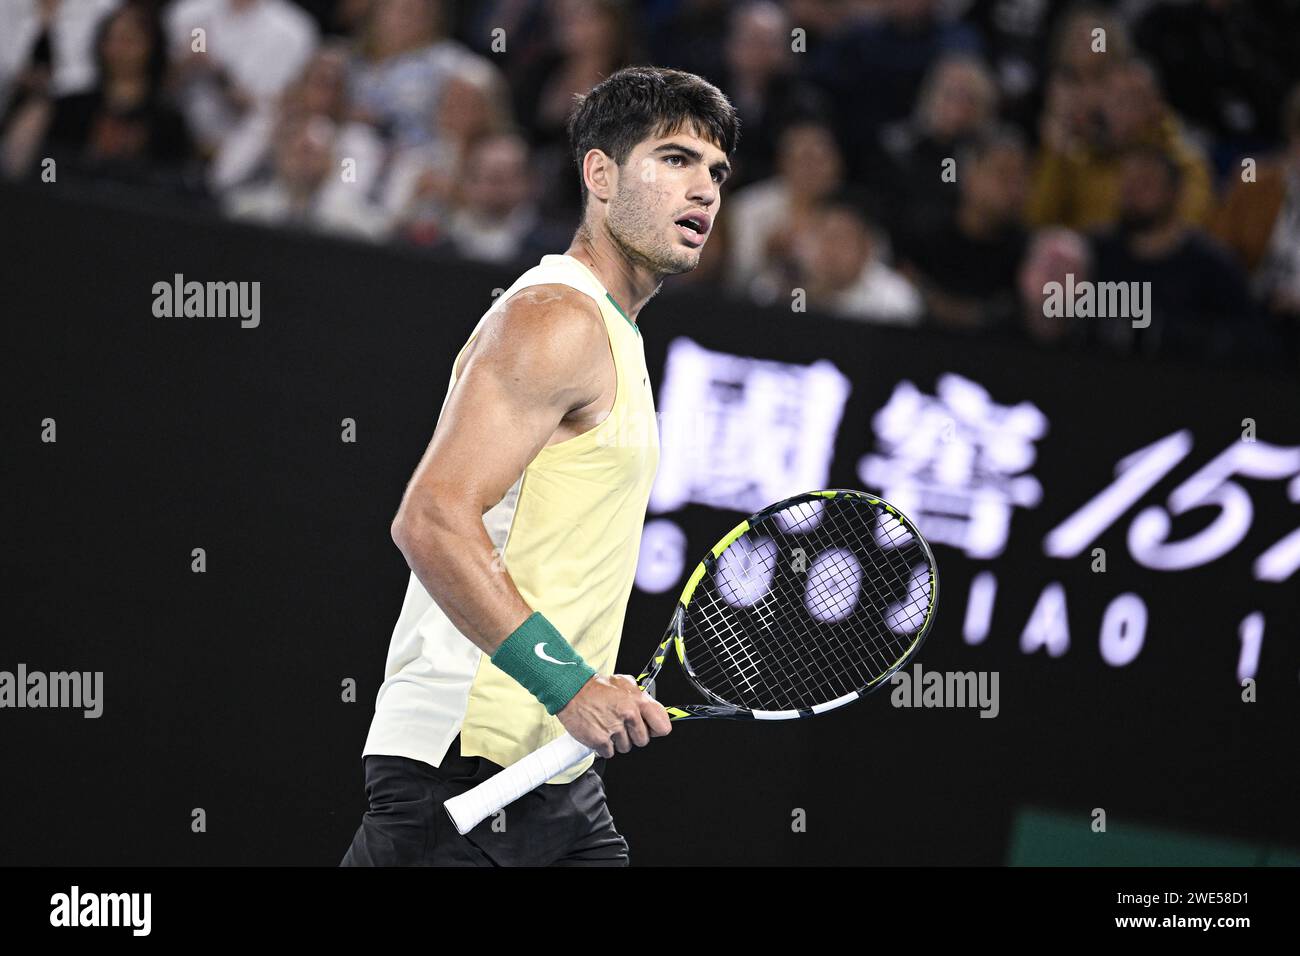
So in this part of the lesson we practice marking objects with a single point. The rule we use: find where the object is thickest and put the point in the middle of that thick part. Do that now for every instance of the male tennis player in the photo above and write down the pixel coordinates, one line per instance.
(522, 522)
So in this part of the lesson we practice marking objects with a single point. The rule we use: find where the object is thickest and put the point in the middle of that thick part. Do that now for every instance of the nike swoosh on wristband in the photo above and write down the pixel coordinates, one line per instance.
(539, 650)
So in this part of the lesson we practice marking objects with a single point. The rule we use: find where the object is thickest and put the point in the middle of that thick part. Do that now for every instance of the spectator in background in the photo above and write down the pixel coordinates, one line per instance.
(402, 64)
(1076, 183)
(687, 34)
(1076, 51)
(419, 191)
(1259, 223)
(873, 68)
(766, 217)
(1199, 303)
(1068, 126)
(252, 50)
(760, 78)
(1054, 254)
(122, 129)
(1018, 39)
(1071, 126)
(842, 271)
(522, 24)
(320, 90)
(958, 101)
(966, 267)
(497, 217)
(592, 39)
(299, 194)
(1226, 63)
(47, 48)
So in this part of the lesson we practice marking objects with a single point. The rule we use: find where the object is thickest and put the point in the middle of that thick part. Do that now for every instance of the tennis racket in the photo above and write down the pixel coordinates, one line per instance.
(806, 606)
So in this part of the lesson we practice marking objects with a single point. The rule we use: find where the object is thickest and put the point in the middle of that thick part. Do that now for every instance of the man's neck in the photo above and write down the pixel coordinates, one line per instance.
(631, 286)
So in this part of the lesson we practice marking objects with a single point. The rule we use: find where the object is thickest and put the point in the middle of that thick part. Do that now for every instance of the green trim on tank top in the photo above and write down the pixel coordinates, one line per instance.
(621, 312)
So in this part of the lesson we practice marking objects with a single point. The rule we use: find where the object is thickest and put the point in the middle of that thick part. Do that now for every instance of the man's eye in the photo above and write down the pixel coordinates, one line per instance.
(671, 158)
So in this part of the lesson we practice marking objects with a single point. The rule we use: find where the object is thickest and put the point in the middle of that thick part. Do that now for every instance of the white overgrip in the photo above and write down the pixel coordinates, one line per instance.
(473, 806)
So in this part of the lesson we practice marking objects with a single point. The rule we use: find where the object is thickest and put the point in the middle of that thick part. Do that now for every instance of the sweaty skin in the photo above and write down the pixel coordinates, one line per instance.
(540, 372)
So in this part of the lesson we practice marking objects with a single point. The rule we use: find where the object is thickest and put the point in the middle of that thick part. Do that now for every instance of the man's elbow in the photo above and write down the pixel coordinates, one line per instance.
(409, 527)
(419, 522)
(401, 532)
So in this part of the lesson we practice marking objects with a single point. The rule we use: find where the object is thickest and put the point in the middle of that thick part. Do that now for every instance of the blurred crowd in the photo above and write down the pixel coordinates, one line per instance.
(910, 162)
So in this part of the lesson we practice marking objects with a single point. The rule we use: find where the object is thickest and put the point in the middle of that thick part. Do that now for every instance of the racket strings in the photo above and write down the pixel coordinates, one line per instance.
(815, 603)
(771, 668)
(852, 665)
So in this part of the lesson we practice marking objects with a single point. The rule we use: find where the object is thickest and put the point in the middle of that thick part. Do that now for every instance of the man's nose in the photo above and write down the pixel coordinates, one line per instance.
(705, 190)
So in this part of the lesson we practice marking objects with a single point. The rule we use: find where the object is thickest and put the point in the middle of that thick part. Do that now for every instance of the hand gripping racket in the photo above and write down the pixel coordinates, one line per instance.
(806, 606)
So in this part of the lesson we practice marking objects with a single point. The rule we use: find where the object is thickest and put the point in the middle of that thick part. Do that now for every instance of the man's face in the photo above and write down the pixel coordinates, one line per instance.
(305, 149)
(1147, 196)
(809, 160)
(127, 45)
(758, 42)
(665, 181)
(1132, 103)
(1050, 259)
(496, 177)
(321, 87)
(998, 182)
(842, 246)
(960, 102)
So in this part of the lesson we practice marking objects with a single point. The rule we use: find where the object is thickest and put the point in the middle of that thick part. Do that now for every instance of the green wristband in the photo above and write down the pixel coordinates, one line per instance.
(538, 656)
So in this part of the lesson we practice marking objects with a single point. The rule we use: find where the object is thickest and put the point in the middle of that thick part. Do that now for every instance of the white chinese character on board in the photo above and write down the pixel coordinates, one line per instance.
(955, 462)
(739, 432)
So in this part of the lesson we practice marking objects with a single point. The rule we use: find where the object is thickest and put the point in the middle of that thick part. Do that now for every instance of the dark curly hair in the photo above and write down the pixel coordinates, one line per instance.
(641, 102)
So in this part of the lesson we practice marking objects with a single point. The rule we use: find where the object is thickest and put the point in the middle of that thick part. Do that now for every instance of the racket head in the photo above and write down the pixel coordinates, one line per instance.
(805, 606)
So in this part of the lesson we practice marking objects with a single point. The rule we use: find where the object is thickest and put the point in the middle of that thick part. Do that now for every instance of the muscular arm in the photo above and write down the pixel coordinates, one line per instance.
(536, 362)
(533, 363)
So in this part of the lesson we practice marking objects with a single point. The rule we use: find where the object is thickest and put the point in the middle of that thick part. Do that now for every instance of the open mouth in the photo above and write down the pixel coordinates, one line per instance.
(694, 229)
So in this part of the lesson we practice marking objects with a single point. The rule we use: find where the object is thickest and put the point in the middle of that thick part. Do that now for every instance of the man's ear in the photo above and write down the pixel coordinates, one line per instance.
(600, 173)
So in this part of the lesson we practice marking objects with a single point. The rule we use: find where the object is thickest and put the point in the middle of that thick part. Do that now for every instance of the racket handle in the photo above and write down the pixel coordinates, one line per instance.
(521, 777)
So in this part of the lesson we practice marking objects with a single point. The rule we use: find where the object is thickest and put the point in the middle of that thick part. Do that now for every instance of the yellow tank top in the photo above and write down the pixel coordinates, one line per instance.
(568, 533)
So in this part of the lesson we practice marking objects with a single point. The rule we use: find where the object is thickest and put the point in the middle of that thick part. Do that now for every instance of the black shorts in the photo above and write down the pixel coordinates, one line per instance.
(555, 825)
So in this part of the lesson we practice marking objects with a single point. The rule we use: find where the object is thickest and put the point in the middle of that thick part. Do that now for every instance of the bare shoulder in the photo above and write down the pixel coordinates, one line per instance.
(553, 320)
(544, 338)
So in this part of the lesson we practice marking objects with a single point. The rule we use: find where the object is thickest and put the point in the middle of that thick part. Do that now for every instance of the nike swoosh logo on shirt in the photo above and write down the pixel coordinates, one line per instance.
(540, 651)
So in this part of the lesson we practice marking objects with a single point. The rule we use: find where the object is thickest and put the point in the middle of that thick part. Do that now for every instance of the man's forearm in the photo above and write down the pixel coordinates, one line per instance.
(453, 557)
